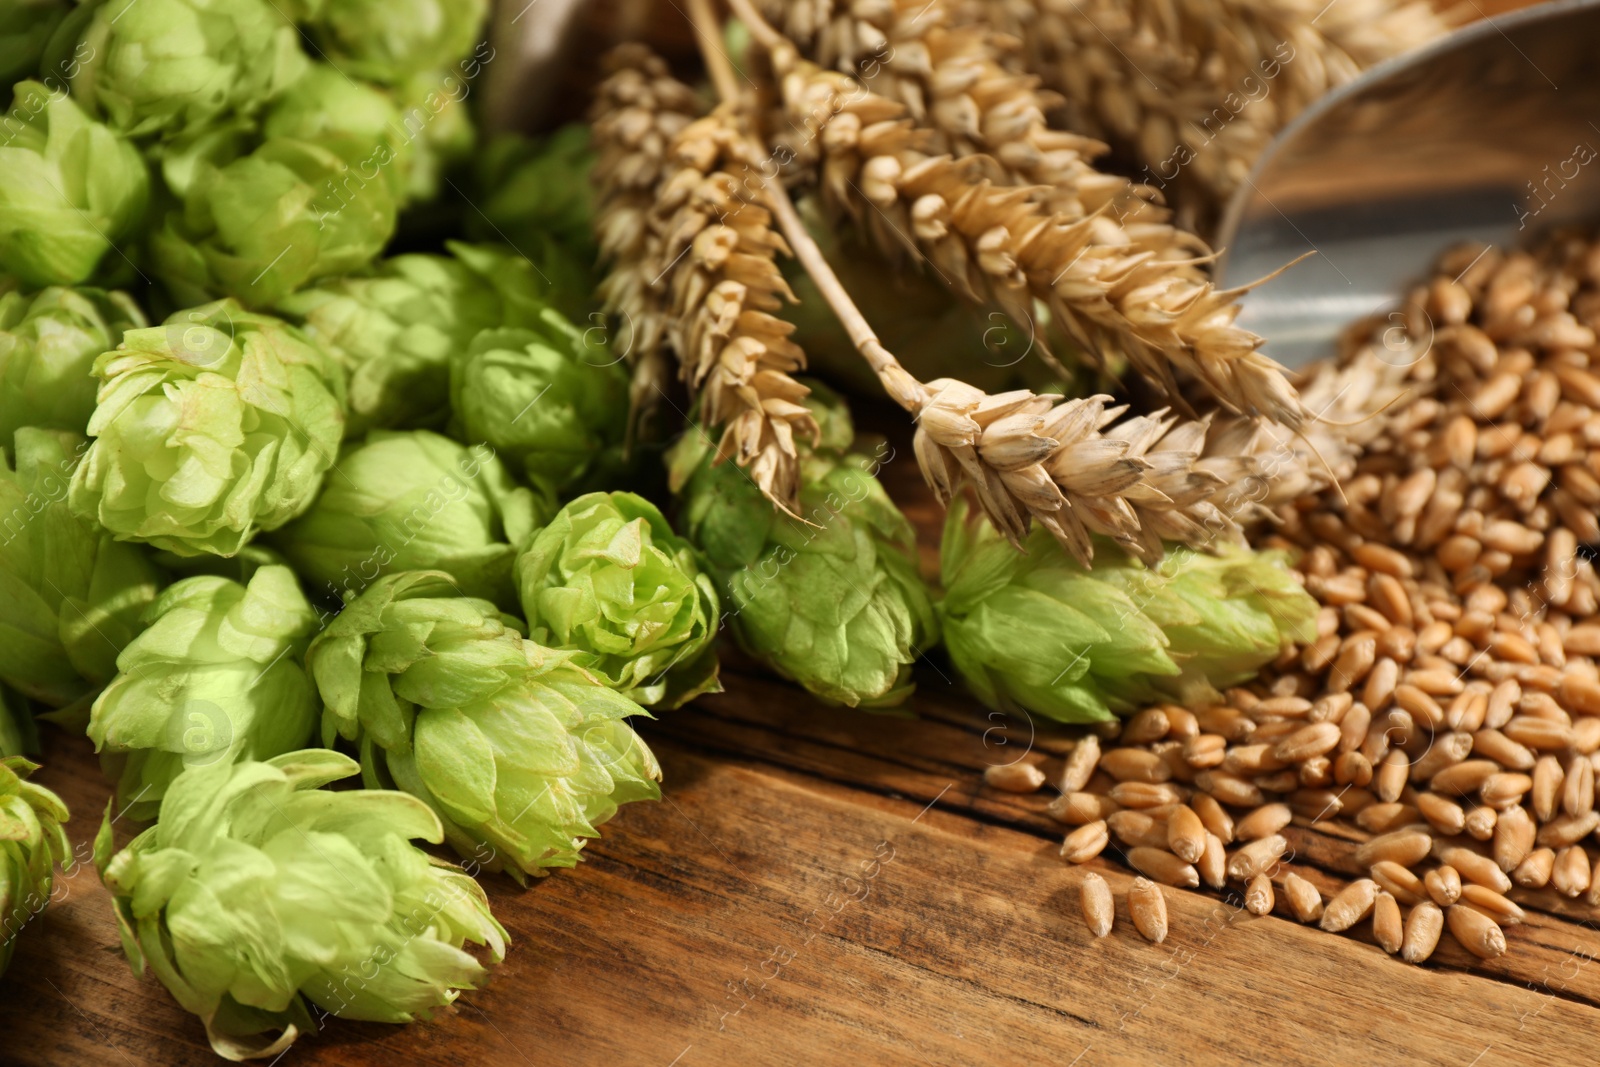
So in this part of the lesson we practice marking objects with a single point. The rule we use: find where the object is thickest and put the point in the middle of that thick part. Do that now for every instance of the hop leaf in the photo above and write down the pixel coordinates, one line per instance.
(31, 844)
(210, 427)
(70, 188)
(539, 190)
(390, 40)
(396, 326)
(216, 677)
(359, 122)
(521, 752)
(257, 895)
(415, 501)
(25, 27)
(542, 398)
(608, 580)
(263, 225)
(833, 599)
(73, 596)
(1037, 631)
(48, 344)
(438, 123)
(164, 67)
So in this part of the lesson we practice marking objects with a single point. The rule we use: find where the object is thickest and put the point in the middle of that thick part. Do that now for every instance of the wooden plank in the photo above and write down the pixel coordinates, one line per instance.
(760, 915)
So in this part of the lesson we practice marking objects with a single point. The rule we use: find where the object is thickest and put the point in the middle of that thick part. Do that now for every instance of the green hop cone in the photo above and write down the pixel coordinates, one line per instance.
(216, 677)
(438, 125)
(545, 399)
(18, 732)
(834, 602)
(415, 501)
(25, 28)
(358, 121)
(265, 224)
(520, 751)
(73, 595)
(396, 326)
(48, 344)
(539, 189)
(259, 899)
(31, 844)
(610, 581)
(163, 67)
(1036, 631)
(388, 41)
(210, 427)
(70, 189)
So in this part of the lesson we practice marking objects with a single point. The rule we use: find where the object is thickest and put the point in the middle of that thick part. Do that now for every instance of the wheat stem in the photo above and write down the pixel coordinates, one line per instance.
(901, 386)
(718, 65)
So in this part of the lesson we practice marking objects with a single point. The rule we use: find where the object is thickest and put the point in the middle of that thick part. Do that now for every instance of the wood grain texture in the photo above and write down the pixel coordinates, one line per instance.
(826, 886)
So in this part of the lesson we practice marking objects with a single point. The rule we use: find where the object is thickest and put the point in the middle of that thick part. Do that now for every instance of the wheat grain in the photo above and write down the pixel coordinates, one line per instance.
(1019, 777)
(1535, 869)
(1262, 822)
(1258, 895)
(1570, 872)
(1094, 896)
(1398, 881)
(1136, 828)
(1135, 765)
(1492, 904)
(1080, 764)
(1163, 866)
(1186, 834)
(1257, 857)
(1564, 830)
(1423, 927)
(1352, 904)
(1513, 838)
(1387, 928)
(1473, 867)
(1476, 932)
(1147, 907)
(1213, 863)
(1405, 847)
(1304, 900)
(1443, 884)
(1085, 843)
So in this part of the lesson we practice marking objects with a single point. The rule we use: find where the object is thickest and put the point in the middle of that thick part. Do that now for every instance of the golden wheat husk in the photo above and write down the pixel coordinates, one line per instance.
(997, 244)
(637, 112)
(719, 254)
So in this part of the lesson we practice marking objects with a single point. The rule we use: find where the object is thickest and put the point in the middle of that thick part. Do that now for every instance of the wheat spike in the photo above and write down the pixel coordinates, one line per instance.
(638, 110)
(998, 244)
(719, 254)
(1195, 89)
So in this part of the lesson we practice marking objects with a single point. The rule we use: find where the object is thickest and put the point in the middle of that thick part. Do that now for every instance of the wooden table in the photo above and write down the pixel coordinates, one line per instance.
(825, 886)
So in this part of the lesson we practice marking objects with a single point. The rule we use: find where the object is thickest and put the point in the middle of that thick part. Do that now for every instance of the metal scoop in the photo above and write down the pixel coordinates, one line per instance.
(1491, 134)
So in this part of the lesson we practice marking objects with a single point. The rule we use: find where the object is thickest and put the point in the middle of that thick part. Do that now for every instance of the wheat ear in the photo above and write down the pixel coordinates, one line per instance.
(638, 110)
(1195, 89)
(998, 244)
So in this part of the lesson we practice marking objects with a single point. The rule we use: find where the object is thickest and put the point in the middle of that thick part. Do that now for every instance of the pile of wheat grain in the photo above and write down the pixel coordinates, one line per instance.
(1448, 716)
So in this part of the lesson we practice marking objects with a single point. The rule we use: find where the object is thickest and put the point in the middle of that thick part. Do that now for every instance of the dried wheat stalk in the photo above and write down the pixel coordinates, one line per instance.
(719, 254)
(1068, 465)
(998, 244)
(638, 110)
(1195, 89)
(954, 84)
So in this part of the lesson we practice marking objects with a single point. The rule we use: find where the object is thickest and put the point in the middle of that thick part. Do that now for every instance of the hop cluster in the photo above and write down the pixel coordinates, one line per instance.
(258, 894)
(521, 752)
